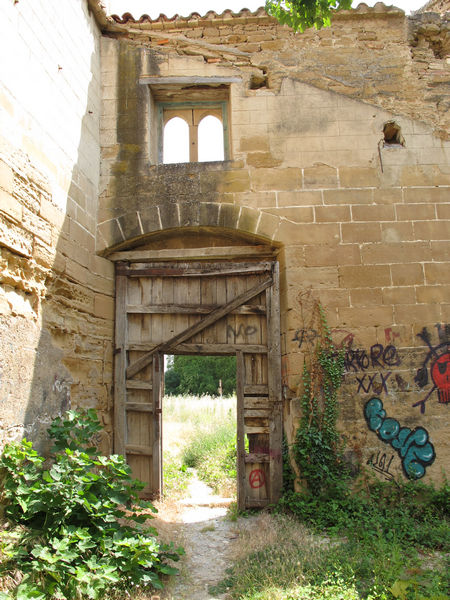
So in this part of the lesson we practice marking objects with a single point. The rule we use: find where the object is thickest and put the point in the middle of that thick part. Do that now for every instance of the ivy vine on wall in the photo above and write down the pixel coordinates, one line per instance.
(318, 446)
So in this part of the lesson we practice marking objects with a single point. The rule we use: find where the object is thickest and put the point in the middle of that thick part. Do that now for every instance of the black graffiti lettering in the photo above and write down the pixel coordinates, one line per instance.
(242, 331)
(302, 335)
(368, 383)
(376, 352)
(378, 356)
(361, 386)
(384, 379)
(390, 356)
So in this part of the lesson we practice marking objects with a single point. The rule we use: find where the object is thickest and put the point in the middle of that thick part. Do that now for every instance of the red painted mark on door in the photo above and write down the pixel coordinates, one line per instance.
(257, 479)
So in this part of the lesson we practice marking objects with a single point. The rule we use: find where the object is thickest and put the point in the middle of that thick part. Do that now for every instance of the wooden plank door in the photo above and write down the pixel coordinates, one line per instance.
(137, 399)
(200, 308)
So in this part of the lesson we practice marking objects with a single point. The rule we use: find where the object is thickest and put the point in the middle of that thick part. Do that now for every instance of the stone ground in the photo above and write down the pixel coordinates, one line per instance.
(199, 524)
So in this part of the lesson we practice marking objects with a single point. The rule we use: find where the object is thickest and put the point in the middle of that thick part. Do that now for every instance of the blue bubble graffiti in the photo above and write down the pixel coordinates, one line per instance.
(413, 446)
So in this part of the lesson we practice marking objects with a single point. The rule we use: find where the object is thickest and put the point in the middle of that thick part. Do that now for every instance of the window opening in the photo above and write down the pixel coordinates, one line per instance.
(210, 139)
(176, 141)
(207, 127)
(199, 425)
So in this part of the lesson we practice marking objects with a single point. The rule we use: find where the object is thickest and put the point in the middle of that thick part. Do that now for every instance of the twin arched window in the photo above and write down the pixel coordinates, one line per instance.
(193, 135)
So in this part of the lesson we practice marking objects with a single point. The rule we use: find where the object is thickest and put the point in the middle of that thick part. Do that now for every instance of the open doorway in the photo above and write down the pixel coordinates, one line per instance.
(199, 431)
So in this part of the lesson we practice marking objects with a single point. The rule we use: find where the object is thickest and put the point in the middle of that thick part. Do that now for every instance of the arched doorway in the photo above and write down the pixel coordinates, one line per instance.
(206, 300)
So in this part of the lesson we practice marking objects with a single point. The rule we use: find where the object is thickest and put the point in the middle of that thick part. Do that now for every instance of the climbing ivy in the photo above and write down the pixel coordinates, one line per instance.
(318, 446)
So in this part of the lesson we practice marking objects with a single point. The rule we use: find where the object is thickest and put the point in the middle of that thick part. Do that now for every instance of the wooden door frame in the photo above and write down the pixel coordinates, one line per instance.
(123, 371)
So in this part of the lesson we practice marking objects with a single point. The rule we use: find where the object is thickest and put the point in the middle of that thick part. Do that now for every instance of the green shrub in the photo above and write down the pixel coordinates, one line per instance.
(75, 523)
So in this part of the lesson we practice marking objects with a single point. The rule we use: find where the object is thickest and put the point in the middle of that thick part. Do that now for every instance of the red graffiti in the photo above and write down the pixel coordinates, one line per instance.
(257, 479)
(440, 374)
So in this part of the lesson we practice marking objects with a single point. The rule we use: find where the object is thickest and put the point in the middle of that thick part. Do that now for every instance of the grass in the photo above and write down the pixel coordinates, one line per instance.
(390, 542)
(199, 433)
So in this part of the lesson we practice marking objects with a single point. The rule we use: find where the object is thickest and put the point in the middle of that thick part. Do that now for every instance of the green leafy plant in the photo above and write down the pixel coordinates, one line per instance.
(318, 447)
(75, 522)
(302, 14)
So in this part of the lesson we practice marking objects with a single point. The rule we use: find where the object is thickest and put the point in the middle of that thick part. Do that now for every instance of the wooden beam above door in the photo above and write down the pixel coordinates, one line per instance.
(228, 252)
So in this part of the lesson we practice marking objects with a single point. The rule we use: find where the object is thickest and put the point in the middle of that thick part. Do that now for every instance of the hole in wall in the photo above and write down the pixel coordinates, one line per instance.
(393, 134)
(258, 80)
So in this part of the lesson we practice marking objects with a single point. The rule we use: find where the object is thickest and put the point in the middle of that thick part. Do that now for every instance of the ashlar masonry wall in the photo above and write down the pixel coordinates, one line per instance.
(56, 294)
(360, 225)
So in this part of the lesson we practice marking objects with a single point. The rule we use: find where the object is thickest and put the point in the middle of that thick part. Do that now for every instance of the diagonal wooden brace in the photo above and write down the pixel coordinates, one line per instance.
(213, 316)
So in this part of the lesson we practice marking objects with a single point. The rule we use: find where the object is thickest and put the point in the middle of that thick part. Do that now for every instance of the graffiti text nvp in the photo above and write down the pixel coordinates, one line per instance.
(413, 446)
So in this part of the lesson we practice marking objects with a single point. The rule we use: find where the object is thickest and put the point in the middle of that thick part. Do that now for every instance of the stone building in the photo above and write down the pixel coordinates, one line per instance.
(335, 170)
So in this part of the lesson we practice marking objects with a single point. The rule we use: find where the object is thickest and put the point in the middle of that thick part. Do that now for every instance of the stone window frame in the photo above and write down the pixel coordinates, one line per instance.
(207, 95)
(192, 113)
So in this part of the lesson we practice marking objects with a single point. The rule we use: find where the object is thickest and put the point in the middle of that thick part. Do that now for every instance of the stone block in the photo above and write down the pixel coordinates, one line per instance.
(427, 194)
(76, 272)
(314, 233)
(268, 226)
(407, 252)
(299, 198)
(15, 238)
(437, 273)
(109, 234)
(348, 254)
(355, 177)
(297, 214)
(321, 176)
(332, 214)
(10, 206)
(417, 314)
(373, 213)
(276, 179)
(387, 196)
(366, 296)
(368, 316)
(262, 160)
(432, 230)
(209, 214)
(228, 216)
(361, 232)
(314, 277)
(360, 276)
(81, 236)
(6, 177)
(411, 274)
(150, 219)
(257, 199)
(416, 212)
(440, 251)
(254, 144)
(398, 295)
(348, 196)
(397, 232)
(432, 294)
(333, 298)
(130, 225)
(443, 210)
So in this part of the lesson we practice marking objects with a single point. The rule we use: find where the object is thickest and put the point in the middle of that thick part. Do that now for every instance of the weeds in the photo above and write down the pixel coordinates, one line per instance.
(74, 523)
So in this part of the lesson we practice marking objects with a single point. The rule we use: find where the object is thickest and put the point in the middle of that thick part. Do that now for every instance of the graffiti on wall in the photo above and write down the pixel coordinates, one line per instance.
(437, 363)
(377, 357)
(257, 479)
(413, 446)
(381, 464)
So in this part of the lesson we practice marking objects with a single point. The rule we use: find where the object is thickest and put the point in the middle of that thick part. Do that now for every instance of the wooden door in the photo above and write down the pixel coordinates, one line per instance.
(205, 308)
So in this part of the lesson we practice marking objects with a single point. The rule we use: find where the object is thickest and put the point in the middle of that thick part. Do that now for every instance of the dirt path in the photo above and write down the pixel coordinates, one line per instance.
(198, 523)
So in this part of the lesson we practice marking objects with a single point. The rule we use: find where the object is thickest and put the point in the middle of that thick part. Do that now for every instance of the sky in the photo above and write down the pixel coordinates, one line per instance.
(185, 7)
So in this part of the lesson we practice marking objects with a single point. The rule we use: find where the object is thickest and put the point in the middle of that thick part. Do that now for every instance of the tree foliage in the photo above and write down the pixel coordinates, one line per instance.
(302, 14)
(201, 375)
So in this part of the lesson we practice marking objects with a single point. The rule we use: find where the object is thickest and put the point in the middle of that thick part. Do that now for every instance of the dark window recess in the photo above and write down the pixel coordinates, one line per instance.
(393, 134)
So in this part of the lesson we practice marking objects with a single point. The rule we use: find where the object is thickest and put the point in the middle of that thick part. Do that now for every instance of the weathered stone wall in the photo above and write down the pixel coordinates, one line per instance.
(56, 304)
(362, 226)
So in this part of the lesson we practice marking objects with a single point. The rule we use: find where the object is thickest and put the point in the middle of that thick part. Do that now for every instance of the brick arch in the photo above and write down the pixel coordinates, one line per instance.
(130, 227)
